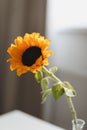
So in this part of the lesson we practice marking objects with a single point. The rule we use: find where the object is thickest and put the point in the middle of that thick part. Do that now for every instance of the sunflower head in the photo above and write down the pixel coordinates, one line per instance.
(29, 53)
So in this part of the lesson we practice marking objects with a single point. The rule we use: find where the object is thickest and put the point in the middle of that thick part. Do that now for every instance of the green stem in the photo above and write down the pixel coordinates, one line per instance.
(72, 111)
(51, 75)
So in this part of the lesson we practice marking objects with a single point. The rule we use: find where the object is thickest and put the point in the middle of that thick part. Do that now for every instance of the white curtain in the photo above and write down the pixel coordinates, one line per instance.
(18, 17)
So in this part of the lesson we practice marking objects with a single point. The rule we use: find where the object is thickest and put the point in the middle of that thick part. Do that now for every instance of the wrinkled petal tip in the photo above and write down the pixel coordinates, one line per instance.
(11, 69)
(7, 60)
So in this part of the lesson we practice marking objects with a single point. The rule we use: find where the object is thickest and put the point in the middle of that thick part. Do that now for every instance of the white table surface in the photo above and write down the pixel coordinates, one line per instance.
(18, 120)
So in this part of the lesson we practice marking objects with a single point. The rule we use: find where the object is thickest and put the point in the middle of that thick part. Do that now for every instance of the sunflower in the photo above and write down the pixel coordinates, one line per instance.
(29, 53)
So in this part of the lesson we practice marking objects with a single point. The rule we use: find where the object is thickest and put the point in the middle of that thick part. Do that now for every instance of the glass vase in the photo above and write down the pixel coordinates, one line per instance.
(80, 124)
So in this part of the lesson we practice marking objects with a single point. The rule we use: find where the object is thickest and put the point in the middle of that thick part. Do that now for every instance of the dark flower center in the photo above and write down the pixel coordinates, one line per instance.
(30, 56)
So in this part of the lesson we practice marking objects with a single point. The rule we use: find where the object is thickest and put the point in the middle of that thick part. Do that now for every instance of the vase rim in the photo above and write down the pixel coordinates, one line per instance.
(79, 120)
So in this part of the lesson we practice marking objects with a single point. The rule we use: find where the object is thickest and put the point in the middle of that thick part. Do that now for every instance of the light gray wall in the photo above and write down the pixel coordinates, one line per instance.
(70, 55)
(69, 45)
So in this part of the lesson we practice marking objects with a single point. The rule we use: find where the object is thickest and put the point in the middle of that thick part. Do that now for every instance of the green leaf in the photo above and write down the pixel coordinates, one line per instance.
(38, 76)
(57, 90)
(69, 90)
(44, 83)
(45, 94)
(53, 69)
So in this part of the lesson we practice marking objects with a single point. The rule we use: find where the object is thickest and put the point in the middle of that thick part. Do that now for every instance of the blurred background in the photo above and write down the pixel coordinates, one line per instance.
(64, 22)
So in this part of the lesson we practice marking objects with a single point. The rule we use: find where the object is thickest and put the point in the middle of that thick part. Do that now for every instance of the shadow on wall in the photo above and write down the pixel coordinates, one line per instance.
(58, 112)
(80, 84)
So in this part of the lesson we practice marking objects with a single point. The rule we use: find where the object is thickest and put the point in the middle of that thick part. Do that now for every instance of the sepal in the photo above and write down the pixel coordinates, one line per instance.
(53, 69)
(39, 76)
(45, 94)
(44, 83)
